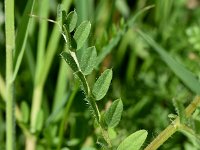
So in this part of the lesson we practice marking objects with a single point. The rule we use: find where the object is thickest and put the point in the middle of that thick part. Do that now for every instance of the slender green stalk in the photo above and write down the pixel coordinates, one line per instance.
(87, 90)
(60, 87)
(42, 72)
(65, 118)
(10, 45)
(173, 127)
(2, 88)
(30, 142)
(41, 76)
(37, 96)
(163, 136)
(91, 100)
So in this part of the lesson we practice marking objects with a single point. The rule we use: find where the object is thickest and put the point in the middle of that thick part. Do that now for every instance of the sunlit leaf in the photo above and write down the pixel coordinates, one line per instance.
(81, 34)
(71, 20)
(88, 60)
(102, 84)
(133, 141)
(113, 114)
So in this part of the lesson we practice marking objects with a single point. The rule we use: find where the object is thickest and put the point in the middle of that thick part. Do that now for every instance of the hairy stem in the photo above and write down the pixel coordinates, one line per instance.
(10, 45)
(173, 127)
(91, 100)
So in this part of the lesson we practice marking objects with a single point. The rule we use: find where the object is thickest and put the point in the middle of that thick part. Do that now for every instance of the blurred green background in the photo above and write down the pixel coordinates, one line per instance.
(144, 82)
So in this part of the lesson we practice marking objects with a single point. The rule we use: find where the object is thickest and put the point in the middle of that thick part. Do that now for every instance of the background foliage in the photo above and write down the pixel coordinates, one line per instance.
(144, 82)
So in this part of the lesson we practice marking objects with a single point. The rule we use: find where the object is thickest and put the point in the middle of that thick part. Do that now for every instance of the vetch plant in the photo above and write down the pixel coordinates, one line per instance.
(82, 62)
(40, 94)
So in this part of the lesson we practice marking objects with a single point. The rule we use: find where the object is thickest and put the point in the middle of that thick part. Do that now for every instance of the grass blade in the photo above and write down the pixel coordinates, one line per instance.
(21, 37)
(184, 74)
(43, 27)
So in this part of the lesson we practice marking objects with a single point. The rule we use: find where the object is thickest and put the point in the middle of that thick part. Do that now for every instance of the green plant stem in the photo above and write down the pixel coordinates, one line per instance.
(60, 87)
(18, 115)
(65, 116)
(173, 127)
(30, 142)
(10, 45)
(87, 90)
(37, 96)
(2, 88)
(41, 76)
(91, 100)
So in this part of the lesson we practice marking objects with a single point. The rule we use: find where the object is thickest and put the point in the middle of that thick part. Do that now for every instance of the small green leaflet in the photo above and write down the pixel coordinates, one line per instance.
(81, 34)
(102, 84)
(25, 111)
(71, 44)
(133, 141)
(71, 20)
(40, 120)
(88, 60)
(113, 114)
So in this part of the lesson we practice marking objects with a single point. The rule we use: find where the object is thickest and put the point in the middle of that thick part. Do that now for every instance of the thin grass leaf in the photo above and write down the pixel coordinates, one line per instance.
(140, 12)
(21, 36)
(60, 96)
(184, 74)
(40, 120)
(42, 35)
(133, 141)
(109, 47)
(59, 14)
(25, 111)
(191, 134)
(51, 49)
(117, 37)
